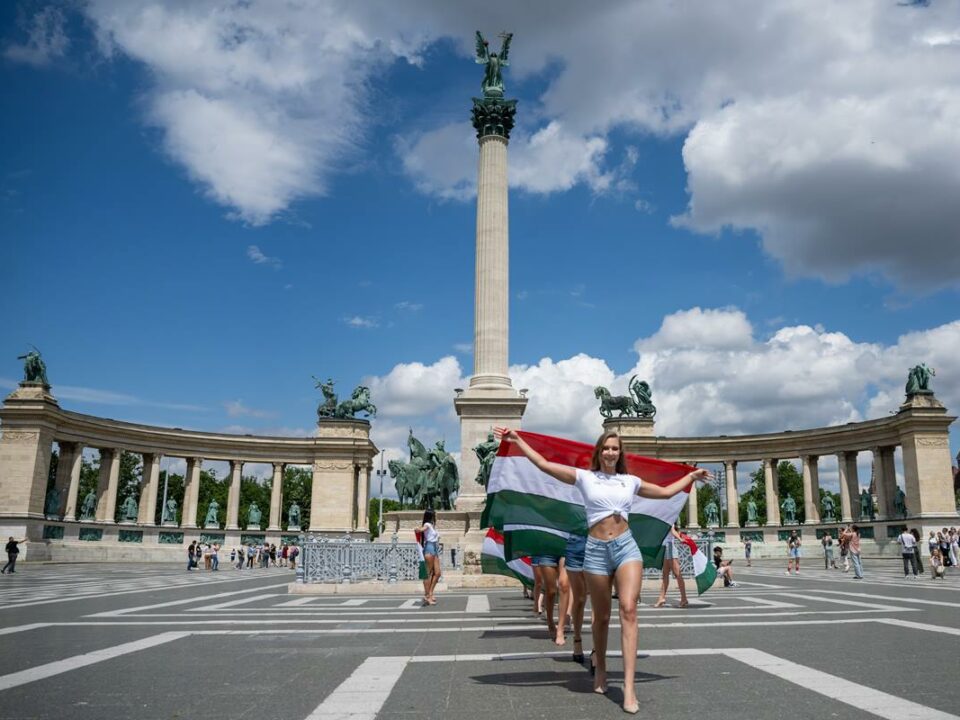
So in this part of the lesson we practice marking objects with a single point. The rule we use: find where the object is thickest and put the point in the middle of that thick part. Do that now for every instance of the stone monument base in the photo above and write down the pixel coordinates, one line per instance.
(214, 526)
(293, 528)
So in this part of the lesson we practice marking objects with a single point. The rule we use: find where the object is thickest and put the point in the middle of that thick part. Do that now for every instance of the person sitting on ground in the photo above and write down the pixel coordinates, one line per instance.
(724, 567)
(937, 570)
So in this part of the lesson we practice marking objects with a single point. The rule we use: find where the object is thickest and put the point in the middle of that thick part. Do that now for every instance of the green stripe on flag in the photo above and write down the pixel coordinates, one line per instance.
(519, 543)
(509, 507)
(706, 579)
(490, 565)
(649, 533)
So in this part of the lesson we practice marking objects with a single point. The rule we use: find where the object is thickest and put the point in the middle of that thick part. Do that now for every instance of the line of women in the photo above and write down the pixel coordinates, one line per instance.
(607, 555)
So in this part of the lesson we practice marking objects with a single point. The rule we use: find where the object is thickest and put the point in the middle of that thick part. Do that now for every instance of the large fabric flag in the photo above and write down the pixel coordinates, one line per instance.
(493, 561)
(537, 513)
(422, 572)
(703, 570)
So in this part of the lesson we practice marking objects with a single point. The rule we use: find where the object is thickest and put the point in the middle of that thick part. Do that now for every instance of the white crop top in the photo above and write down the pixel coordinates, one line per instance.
(430, 533)
(605, 495)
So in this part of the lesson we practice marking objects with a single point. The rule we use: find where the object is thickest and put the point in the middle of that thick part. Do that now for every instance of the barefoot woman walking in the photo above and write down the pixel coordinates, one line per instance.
(611, 552)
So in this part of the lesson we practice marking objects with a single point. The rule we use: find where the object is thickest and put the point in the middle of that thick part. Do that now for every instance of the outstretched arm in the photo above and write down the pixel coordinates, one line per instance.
(649, 490)
(563, 473)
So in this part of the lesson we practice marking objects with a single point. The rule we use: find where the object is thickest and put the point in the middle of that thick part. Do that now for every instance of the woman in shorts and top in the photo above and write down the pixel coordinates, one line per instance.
(610, 551)
(671, 564)
(431, 555)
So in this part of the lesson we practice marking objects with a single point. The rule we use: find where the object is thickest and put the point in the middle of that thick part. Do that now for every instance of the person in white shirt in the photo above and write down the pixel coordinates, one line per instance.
(431, 555)
(611, 552)
(907, 545)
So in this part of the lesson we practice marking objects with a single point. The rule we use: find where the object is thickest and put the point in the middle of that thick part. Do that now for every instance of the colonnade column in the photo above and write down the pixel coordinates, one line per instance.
(233, 495)
(693, 518)
(276, 497)
(73, 487)
(365, 471)
(853, 484)
(879, 461)
(107, 485)
(846, 505)
(770, 490)
(811, 489)
(62, 484)
(148, 493)
(889, 480)
(733, 502)
(191, 492)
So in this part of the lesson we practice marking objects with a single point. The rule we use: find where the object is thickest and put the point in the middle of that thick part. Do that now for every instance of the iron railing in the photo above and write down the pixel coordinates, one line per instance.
(347, 561)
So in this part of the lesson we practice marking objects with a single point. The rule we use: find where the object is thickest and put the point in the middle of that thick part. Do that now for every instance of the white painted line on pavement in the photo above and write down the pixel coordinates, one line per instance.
(415, 603)
(78, 661)
(767, 603)
(943, 630)
(299, 602)
(361, 695)
(478, 604)
(233, 603)
(185, 601)
(854, 603)
(858, 696)
(353, 603)
(763, 585)
(942, 603)
(22, 628)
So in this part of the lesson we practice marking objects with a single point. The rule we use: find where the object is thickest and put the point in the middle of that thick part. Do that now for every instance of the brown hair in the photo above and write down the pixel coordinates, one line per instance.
(595, 458)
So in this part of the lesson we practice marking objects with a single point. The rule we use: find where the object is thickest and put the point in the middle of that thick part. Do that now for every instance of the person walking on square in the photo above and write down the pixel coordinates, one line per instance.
(671, 564)
(577, 596)
(748, 551)
(908, 545)
(431, 555)
(793, 553)
(555, 582)
(611, 551)
(828, 560)
(916, 549)
(954, 539)
(852, 535)
(844, 549)
(13, 551)
(191, 549)
(215, 557)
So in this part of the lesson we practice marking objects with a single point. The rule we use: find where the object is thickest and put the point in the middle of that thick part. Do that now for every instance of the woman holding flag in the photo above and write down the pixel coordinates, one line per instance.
(431, 554)
(611, 551)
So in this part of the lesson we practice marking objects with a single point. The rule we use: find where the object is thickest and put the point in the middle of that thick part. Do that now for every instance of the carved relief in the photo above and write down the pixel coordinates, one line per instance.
(20, 436)
(332, 466)
(932, 442)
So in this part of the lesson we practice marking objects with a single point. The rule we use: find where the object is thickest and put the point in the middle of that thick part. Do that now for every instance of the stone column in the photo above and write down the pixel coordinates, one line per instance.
(490, 399)
(879, 470)
(151, 485)
(107, 485)
(853, 482)
(846, 493)
(73, 487)
(276, 497)
(191, 492)
(364, 522)
(811, 489)
(233, 495)
(693, 515)
(889, 480)
(62, 482)
(733, 501)
(770, 487)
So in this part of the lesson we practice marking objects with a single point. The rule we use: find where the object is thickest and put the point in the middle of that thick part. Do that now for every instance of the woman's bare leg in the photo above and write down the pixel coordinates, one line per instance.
(550, 575)
(563, 612)
(628, 580)
(675, 567)
(599, 587)
(664, 582)
(578, 601)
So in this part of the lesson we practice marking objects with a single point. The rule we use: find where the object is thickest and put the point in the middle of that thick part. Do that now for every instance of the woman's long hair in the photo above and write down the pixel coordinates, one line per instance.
(429, 516)
(595, 458)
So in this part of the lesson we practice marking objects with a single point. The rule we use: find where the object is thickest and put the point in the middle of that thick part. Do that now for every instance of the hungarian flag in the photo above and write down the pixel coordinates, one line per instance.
(422, 572)
(493, 562)
(703, 570)
(536, 513)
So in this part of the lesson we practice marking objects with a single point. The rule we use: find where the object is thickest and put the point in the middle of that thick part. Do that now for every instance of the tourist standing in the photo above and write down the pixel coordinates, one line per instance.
(954, 539)
(431, 555)
(191, 549)
(828, 561)
(853, 548)
(13, 551)
(215, 557)
(748, 551)
(671, 564)
(844, 549)
(611, 551)
(908, 545)
(292, 554)
(793, 553)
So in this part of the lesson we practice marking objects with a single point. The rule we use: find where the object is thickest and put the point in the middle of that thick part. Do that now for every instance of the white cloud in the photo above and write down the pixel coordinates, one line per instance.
(408, 306)
(236, 408)
(412, 389)
(255, 254)
(359, 321)
(46, 39)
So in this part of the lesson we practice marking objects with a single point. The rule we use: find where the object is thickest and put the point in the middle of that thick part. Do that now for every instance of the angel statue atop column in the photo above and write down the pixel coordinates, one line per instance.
(492, 84)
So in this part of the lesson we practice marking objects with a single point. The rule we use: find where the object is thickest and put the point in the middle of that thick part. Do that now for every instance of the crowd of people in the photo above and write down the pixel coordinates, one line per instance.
(252, 555)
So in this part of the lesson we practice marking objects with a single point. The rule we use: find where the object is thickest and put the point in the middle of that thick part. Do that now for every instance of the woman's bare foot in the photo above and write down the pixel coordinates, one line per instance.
(660, 602)
(684, 603)
(559, 638)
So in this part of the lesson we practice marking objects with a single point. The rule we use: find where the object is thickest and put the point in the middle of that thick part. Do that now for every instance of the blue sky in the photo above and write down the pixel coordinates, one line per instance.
(204, 204)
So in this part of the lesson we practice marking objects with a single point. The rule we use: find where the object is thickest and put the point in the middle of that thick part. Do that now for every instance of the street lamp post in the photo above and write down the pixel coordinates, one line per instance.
(380, 474)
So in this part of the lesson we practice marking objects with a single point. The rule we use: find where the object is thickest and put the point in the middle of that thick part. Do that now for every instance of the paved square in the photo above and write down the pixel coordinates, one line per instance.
(119, 641)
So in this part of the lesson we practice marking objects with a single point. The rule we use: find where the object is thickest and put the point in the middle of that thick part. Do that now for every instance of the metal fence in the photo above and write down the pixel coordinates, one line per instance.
(682, 552)
(344, 561)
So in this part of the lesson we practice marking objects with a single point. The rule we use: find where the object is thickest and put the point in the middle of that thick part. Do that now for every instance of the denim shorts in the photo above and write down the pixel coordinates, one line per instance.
(668, 552)
(545, 560)
(603, 557)
(573, 556)
(794, 553)
(430, 548)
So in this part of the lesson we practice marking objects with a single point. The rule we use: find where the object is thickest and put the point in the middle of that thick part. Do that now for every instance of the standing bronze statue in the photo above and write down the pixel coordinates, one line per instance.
(34, 369)
(492, 84)
(430, 479)
(486, 453)
(918, 380)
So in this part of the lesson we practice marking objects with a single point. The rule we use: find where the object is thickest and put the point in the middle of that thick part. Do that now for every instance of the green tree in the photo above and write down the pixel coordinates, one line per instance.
(790, 483)
(297, 488)
(128, 482)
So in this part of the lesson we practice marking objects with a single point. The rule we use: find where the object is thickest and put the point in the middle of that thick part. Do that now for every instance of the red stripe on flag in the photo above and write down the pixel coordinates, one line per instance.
(577, 454)
(495, 536)
(688, 541)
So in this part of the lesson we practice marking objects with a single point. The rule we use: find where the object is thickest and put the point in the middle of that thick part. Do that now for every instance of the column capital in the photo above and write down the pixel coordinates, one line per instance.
(235, 463)
(493, 117)
(278, 466)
